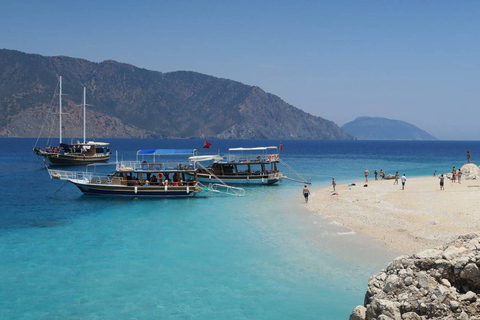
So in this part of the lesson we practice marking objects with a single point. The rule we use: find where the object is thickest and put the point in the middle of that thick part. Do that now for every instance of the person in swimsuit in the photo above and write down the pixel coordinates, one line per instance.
(404, 179)
(441, 182)
(306, 193)
(333, 183)
(397, 176)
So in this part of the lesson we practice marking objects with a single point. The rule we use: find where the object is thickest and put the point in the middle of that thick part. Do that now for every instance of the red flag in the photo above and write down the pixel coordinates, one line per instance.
(281, 147)
(207, 144)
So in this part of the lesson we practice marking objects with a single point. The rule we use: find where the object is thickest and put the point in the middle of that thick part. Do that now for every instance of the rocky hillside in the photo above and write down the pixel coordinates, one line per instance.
(376, 128)
(132, 102)
(441, 283)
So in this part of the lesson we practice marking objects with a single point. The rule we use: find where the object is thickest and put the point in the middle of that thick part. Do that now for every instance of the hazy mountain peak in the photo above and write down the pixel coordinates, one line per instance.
(377, 128)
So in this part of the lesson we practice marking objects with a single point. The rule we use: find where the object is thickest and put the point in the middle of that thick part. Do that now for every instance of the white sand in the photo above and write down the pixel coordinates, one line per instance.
(419, 217)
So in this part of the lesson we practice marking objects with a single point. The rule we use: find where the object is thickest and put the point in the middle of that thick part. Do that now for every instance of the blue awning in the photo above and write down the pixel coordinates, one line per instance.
(166, 151)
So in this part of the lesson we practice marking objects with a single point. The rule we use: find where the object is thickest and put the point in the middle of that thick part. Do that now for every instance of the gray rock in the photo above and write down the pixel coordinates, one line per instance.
(453, 252)
(392, 282)
(384, 317)
(423, 281)
(470, 272)
(411, 316)
(469, 296)
(441, 292)
(408, 281)
(446, 283)
(454, 305)
(463, 316)
(358, 313)
(386, 308)
(429, 254)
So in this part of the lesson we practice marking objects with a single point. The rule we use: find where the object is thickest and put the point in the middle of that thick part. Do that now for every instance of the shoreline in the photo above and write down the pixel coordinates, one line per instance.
(407, 221)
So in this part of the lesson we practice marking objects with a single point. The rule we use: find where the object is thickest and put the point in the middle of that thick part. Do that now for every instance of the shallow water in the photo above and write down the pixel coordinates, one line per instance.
(262, 256)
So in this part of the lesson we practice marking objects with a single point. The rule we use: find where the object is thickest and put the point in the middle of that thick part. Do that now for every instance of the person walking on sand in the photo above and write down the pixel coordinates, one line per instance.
(397, 176)
(333, 184)
(404, 179)
(454, 175)
(376, 175)
(306, 193)
(459, 175)
(442, 178)
(366, 172)
(382, 174)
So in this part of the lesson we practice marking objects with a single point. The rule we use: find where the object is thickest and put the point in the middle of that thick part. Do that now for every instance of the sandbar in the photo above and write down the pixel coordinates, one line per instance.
(408, 221)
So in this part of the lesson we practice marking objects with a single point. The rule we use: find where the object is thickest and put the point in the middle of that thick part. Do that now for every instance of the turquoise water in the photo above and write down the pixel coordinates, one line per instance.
(262, 256)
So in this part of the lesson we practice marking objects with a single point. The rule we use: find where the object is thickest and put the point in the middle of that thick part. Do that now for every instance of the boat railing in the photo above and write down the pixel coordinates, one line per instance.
(224, 189)
(153, 166)
(251, 157)
(70, 175)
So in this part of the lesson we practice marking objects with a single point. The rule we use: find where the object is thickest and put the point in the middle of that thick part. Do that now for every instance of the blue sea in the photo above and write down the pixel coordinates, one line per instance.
(263, 256)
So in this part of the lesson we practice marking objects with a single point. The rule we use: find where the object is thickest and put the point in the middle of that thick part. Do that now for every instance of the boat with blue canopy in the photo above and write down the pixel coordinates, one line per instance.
(147, 176)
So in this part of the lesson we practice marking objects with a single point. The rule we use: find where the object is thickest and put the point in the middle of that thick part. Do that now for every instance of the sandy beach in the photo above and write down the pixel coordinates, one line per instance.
(407, 221)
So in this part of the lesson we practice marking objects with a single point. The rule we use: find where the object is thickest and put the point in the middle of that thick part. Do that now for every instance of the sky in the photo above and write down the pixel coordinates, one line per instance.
(416, 61)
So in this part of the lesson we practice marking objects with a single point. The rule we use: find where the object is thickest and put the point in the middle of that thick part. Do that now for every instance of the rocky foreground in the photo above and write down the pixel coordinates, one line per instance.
(441, 283)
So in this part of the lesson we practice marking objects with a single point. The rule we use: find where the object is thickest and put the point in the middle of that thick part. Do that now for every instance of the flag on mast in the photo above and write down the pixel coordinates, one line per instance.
(281, 147)
(207, 144)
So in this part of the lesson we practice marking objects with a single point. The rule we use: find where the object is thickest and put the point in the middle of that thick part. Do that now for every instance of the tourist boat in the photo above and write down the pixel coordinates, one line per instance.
(141, 178)
(240, 166)
(79, 153)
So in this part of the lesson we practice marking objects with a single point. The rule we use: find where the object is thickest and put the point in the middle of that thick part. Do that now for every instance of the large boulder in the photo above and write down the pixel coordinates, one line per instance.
(470, 171)
(440, 283)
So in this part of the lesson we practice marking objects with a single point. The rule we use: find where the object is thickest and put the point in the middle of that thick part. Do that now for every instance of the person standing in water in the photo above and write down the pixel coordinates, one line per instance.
(333, 183)
(306, 193)
(366, 173)
(468, 156)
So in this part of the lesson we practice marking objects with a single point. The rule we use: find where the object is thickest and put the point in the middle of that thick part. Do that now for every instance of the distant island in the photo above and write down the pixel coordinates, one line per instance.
(376, 128)
(130, 102)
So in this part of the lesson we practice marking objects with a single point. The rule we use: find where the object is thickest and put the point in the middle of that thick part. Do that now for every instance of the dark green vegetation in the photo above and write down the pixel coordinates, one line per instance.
(375, 128)
(133, 102)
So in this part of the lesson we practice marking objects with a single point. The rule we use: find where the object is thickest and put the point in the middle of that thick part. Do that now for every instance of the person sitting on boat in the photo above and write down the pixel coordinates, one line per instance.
(153, 179)
(147, 183)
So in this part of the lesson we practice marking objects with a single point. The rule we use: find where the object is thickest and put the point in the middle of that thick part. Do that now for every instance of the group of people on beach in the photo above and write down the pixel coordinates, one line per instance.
(382, 176)
(456, 176)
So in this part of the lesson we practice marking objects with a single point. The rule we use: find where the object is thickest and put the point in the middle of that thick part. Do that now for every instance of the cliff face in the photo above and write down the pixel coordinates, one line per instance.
(441, 283)
(376, 128)
(133, 102)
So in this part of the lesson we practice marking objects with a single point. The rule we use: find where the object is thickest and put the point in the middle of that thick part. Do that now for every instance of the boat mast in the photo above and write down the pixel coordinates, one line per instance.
(84, 111)
(60, 111)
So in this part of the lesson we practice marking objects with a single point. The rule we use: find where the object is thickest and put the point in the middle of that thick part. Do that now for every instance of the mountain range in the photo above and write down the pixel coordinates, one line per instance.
(376, 128)
(134, 102)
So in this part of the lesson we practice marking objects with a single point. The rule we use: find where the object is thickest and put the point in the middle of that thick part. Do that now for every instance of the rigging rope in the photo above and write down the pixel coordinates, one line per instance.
(45, 122)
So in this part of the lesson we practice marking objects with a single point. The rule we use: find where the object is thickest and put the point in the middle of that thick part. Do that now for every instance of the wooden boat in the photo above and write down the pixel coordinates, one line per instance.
(240, 166)
(79, 153)
(145, 179)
